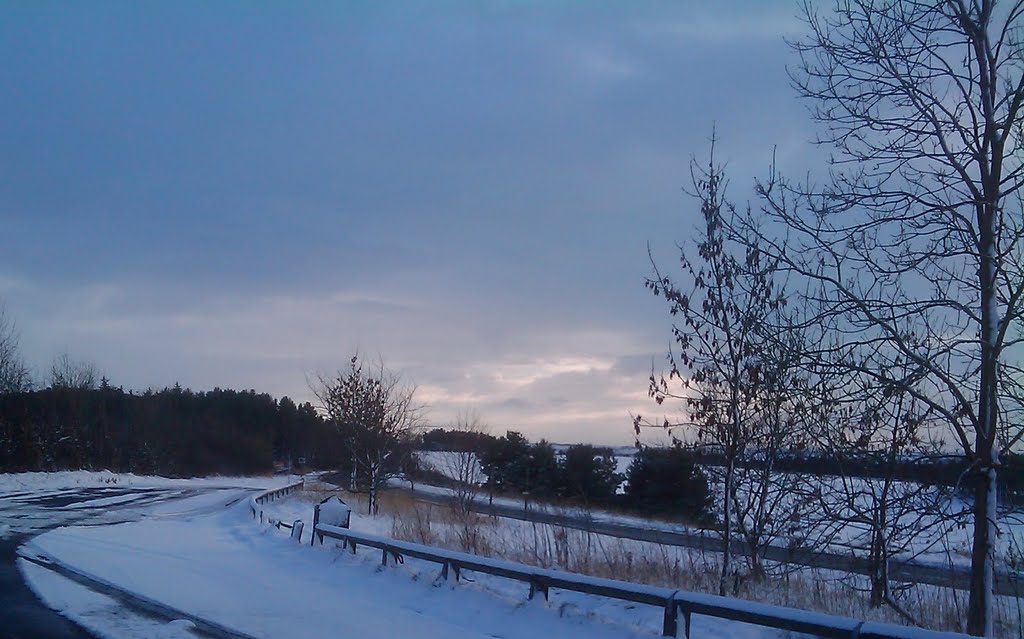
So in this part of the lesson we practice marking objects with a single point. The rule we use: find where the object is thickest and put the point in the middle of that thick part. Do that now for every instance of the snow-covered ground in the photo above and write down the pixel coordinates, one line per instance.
(204, 554)
(38, 483)
(226, 568)
(445, 462)
(99, 614)
(948, 540)
(33, 503)
(77, 495)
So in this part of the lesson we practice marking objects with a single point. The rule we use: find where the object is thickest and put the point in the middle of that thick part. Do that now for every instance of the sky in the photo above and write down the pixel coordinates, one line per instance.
(243, 194)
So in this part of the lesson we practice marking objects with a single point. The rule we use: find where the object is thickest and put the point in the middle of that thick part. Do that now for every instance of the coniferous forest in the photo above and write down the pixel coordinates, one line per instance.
(173, 432)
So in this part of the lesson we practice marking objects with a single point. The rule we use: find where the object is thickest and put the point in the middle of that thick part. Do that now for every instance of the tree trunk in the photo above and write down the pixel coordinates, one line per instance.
(981, 608)
(371, 490)
(723, 580)
(879, 567)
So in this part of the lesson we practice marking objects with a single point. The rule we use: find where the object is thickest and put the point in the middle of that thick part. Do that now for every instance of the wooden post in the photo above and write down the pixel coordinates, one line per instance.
(444, 570)
(384, 556)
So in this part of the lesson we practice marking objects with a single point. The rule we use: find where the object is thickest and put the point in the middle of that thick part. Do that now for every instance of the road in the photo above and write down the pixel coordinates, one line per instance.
(1007, 583)
(26, 514)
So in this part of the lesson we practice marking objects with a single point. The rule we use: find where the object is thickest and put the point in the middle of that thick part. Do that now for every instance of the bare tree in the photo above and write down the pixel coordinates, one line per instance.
(377, 413)
(718, 348)
(463, 467)
(913, 245)
(69, 373)
(872, 434)
(772, 506)
(14, 373)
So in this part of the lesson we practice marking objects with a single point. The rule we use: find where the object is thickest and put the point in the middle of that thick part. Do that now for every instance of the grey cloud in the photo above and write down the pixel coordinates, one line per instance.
(639, 365)
(467, 191)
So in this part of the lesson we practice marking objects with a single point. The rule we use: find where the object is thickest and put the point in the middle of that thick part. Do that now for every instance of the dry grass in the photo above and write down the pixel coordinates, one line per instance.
(588, 553)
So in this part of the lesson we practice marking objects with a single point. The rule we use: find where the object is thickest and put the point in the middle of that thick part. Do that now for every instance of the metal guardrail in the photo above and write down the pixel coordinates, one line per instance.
(256, 502)
(676, 604)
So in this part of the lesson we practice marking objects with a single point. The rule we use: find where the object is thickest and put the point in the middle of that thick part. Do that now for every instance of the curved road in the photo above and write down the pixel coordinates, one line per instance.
(26, 514)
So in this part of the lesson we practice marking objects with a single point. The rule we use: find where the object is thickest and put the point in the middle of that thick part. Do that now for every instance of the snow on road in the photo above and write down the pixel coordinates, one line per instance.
(32, 503)
(15, 485)
(224, 567)
(97, 613)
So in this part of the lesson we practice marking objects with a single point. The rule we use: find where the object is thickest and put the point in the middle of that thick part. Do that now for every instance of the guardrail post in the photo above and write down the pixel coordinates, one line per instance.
(316, 520)
(538, 584)
(384, 555)
(670, 626)
(444, 570)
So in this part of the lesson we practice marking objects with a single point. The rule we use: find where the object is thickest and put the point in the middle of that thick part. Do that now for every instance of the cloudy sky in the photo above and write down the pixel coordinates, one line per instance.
(241, 194)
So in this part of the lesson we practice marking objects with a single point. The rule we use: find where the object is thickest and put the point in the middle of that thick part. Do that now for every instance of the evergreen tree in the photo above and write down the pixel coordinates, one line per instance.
(587, 474)
(667, 482)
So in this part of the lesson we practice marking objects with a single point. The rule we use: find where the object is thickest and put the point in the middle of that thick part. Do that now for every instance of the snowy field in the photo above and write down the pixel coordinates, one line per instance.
(443, 460)
(947, 542)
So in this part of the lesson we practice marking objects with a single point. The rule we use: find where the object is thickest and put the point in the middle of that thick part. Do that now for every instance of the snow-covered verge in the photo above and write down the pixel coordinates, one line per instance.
(600, 555)
(225, 568)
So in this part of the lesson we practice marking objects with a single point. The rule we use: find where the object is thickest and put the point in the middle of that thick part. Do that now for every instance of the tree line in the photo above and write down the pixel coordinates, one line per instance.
(666, 482)
(933, 470)
(171, 432)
